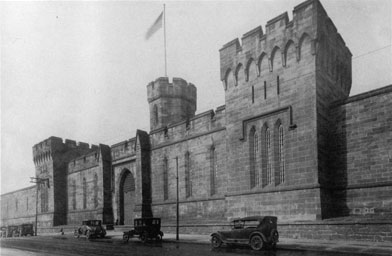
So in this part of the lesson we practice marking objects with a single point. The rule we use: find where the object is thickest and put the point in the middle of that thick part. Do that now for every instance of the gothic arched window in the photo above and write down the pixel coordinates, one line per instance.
(95, 190)
(188, 182)
(253, 152)
(213, 169)
(165, 179)
(84, 193)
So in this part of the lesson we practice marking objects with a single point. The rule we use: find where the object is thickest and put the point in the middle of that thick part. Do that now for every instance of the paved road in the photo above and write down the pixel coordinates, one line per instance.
(70, 246)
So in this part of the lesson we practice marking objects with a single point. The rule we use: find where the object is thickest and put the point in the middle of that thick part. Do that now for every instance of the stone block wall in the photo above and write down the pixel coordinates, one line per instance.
(89, 187)
(203, 200)
(18, 207)
(362, 161)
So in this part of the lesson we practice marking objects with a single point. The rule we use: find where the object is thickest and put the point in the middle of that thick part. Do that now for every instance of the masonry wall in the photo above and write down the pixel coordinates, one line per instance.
(89, 192)
(204, 201)
(363, 159)
(18, 207)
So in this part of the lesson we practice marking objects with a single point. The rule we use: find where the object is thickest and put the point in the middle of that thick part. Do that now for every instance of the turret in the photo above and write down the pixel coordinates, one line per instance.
(170, 102)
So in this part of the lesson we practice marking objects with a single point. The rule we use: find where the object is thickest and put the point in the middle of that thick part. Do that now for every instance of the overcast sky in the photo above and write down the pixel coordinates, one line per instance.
(79, 70)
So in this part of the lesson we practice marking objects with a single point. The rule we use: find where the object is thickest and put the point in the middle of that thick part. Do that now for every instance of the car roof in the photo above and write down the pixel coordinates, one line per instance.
(250, 218)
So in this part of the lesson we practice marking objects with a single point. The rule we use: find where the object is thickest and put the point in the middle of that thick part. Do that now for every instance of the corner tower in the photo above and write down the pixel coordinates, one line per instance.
(170, 102)
(279, 85)
(50, 158)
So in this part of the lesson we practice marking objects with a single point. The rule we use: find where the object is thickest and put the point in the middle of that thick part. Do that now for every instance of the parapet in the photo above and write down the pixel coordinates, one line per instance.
(44, 150)
(179, 88)
(91, 159)
(123, 149)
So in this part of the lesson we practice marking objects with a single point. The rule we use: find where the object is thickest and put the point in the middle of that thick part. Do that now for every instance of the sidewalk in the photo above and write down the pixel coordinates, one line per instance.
(353, 247)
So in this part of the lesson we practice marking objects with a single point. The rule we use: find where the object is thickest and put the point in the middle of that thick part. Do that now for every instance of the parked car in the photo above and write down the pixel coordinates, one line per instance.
(26, 229)
(12, 231)
(145, 228)
(3, 231)
(90, 229)
(256, 231)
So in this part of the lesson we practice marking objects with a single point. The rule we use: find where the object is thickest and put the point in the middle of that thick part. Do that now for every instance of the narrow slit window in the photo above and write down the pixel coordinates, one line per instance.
(253, 94)
(265, 90)
(277, 85)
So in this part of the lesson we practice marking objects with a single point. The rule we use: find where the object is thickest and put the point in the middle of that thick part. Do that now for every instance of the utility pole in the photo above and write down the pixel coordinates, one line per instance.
(178, 206)
(38, 181)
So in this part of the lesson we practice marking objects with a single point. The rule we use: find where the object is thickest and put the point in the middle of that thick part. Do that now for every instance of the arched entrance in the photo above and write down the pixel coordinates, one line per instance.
(127, 198)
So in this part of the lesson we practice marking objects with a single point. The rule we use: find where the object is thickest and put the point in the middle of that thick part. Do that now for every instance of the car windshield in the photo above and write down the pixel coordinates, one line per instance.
(95, 222)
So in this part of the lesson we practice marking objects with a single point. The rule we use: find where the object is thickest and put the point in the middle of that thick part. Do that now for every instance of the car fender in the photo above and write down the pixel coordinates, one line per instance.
(259, 234)
(218, 235)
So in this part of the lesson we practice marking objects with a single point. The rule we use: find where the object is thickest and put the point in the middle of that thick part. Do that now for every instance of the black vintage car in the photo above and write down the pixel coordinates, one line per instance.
(256, 231)
(145, 228)
(3, 231)
(26, 229)
(12, 231)
(90, 228)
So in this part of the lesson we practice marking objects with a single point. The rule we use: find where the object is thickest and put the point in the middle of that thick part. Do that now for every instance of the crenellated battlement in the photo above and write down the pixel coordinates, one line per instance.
(179, 88)
(123, 149)
(170, 102)
(44, 150)
(284, 40)
(208, 121)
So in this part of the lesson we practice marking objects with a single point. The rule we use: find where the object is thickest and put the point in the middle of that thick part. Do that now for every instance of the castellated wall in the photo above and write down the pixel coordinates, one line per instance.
(18, 207)
(50, 158)
(270, 81)
(362, 153)
(89, 187)
(192, 143)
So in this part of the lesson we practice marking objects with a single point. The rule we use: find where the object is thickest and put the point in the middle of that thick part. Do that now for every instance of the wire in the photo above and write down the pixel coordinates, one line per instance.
(373, 51)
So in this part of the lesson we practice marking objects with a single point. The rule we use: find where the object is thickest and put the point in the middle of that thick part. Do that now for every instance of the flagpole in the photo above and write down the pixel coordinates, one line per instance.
(164, 36)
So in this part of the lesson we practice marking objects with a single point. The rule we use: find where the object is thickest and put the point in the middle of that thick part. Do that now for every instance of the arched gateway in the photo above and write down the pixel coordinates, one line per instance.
(127, 197)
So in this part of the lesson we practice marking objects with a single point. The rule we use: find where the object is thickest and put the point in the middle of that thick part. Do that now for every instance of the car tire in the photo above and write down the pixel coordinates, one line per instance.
(216, 242)
(125, 238)
(159, 237)
(88, 234)
(256, 242)
(76, 234)
(143, 237)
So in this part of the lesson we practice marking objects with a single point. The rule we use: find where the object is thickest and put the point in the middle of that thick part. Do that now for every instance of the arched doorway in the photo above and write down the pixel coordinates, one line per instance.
(127, 198)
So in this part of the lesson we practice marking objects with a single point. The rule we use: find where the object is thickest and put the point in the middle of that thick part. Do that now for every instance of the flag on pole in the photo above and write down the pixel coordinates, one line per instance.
(155, 26)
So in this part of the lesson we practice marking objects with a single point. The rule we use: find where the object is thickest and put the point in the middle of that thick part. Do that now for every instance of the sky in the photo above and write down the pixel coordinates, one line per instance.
(79, 70)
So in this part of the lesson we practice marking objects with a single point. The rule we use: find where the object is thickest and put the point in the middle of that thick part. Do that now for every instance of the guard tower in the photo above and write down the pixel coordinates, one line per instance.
(170, 102)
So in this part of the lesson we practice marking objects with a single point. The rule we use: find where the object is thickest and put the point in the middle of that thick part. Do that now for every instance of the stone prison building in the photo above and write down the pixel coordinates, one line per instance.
(288, 142)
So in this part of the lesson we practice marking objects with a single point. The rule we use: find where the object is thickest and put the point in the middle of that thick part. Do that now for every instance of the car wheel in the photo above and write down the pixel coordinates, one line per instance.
(159, 237)
(143, 237)
(88, 234)
(125, 238)
(216, 242)
(256, 242)
(76, 234)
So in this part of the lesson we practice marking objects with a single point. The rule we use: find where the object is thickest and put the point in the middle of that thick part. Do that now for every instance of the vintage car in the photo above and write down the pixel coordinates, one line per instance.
(145, 228)
(3, 231)
(256, 231)
(90, 228)
(26, 229)
(12, 231)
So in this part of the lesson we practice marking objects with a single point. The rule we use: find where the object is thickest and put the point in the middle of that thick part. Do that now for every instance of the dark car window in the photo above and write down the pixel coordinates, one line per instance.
(251, 224)
(238, 224)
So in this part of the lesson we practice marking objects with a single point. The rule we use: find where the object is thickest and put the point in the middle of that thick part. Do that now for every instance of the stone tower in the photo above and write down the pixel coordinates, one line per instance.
(279, 85)
(170, 102)
(50, 158)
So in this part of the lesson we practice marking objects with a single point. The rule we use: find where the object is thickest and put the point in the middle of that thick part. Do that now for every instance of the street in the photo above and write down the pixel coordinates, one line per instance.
(69, 246)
